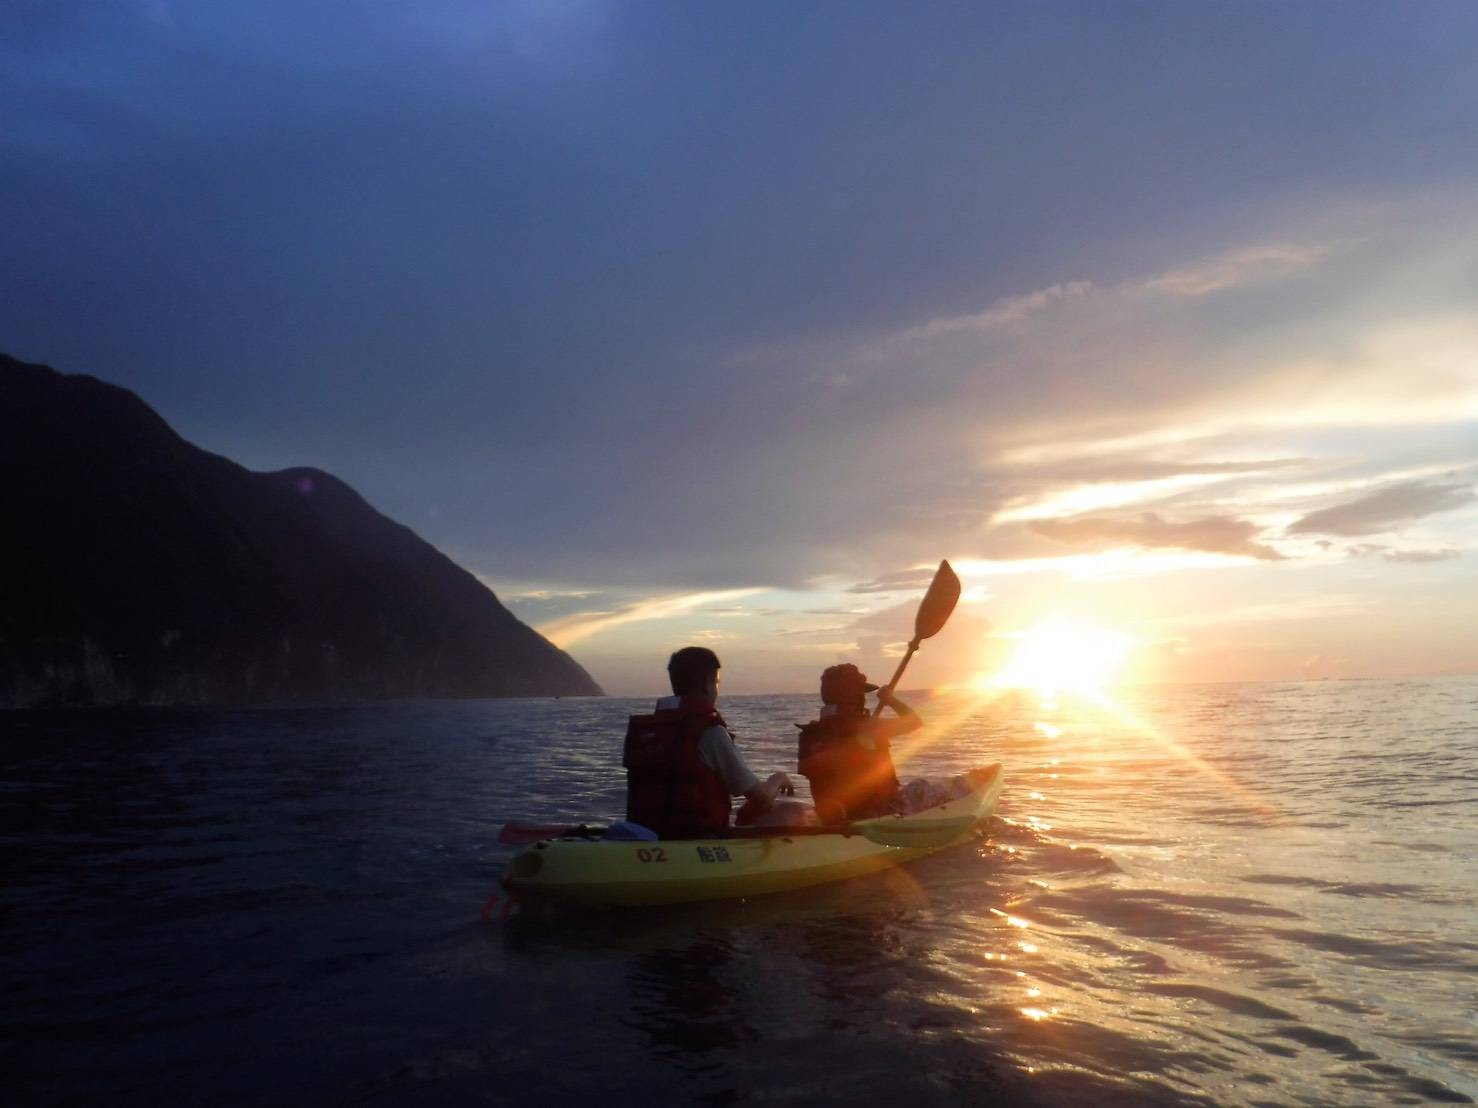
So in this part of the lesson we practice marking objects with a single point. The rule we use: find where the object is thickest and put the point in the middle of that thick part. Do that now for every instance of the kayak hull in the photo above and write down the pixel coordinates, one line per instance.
(586, 871)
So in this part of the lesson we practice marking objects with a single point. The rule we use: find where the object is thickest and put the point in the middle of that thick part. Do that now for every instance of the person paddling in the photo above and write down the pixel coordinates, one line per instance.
(682, 766)
(845, 753)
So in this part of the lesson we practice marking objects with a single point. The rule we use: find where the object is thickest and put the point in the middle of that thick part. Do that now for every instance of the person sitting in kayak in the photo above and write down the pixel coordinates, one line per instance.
(845, 754)
(681, 763)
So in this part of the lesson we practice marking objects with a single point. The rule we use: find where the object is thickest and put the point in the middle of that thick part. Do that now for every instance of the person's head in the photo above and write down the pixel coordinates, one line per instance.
(845, 686)
(693, 671)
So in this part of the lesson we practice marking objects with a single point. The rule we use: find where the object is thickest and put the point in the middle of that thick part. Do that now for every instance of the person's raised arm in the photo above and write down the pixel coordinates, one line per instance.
(908, 720)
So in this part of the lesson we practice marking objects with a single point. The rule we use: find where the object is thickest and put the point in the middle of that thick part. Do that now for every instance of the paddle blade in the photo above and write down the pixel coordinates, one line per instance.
(921, 834)
(938, 603)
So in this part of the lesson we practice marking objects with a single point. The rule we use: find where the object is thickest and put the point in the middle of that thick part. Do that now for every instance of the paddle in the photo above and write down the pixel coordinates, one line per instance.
(922, 833)
(933, 614)
(521, 834)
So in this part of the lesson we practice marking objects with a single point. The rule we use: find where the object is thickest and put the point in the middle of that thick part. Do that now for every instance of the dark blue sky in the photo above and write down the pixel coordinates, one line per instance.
(577, 289)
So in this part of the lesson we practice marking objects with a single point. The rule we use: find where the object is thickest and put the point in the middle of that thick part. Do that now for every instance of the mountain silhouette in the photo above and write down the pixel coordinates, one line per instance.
(136, 568)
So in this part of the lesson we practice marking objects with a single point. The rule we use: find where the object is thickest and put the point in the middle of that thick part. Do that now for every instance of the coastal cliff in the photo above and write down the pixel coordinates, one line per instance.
(136, 568)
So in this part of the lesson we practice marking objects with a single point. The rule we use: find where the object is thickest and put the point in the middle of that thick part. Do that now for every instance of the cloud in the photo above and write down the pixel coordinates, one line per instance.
(903, 580)
(1422, 555)
(1212, 534)
(535, 602)
(1237, 268)
(1007, 310)
(1109, 563)
(1128, 467)
(1385, 508)
(1098, 495)
(1373, 331)
(1299, 610)
(1218, 274)
(544, 594)
(582, 625)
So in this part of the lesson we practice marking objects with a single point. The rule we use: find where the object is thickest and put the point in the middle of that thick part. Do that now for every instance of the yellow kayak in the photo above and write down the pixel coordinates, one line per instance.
(598, 871)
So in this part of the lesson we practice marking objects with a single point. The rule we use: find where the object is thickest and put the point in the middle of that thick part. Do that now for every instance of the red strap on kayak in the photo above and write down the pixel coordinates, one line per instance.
(500, 908)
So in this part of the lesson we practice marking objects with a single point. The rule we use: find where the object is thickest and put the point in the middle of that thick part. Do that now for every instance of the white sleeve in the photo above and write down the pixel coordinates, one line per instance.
(721, 755)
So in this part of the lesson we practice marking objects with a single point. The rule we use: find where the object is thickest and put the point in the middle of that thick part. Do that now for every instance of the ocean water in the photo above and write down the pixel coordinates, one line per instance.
(1222, 894)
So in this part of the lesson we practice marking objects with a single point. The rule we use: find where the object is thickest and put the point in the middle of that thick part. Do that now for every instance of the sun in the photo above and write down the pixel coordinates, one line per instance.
(1060, 656)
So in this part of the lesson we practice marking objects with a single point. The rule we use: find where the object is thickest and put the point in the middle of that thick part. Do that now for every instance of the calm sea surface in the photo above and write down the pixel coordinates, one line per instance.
(1230, 894)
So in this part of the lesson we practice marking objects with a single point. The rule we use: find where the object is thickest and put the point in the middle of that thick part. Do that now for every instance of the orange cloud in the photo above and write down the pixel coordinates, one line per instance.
(1212, 534)
(1381, 510)
(572, 628)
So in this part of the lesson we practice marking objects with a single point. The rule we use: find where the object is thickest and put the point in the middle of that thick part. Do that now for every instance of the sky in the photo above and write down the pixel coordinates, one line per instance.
(724, 323)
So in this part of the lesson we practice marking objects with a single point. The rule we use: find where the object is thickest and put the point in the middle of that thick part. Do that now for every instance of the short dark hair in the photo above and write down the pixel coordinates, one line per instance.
(688, 669)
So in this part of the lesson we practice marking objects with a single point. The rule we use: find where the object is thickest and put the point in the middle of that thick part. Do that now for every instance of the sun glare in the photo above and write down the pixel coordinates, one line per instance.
(1061, 657)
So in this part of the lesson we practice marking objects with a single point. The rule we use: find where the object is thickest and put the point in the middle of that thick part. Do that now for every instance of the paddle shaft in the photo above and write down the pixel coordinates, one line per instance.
(898, 673)
(521, 834)
(883, 832)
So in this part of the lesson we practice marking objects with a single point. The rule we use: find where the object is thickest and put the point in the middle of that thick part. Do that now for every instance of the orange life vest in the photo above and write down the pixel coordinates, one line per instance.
(843, 771)
(669, 787)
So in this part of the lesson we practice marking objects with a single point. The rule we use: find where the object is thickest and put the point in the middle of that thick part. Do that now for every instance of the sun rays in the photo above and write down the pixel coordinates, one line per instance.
(1060, 656)
(1061, 662)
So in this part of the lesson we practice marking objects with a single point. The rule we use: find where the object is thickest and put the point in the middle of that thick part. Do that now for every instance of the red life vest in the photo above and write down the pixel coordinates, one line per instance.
(843, 771)
(669, 787)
